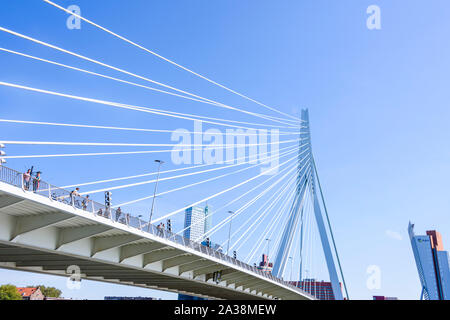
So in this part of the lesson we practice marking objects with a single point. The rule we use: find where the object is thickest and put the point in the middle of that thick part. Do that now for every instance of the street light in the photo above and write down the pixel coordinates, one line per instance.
(160, 162)
(268, 247)
(229, 231)
(2, 153)
(290, 277)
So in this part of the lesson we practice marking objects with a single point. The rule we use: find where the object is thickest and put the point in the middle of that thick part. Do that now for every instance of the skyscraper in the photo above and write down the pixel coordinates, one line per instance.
(432, 264)
(197, 221)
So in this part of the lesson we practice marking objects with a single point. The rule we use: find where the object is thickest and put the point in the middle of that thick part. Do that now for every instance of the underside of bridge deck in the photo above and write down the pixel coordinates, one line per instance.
(45, 236)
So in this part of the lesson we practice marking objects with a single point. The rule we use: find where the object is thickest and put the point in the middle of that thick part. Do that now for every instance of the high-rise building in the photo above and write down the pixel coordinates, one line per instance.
(321, 290)
(197, 221)
(384, 298)
(432, 264)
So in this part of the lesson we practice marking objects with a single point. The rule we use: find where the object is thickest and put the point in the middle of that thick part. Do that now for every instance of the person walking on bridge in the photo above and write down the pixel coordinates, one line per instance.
(36, 181)
(118, 213)
(73, 194)
(26, 179)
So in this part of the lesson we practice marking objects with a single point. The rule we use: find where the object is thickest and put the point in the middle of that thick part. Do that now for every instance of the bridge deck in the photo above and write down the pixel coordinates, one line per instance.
(38, 233)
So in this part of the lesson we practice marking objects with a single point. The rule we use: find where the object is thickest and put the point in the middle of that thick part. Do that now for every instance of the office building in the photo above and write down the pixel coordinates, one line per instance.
(384, 298)
(432, 264)
(197, 221)
(321, 290)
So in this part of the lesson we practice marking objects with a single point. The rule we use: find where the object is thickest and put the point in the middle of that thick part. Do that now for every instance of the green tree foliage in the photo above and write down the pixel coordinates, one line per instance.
(9, 292)
(48, 291)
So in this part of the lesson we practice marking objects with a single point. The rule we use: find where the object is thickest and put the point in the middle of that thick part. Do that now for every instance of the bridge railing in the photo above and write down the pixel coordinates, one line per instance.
(54, 193)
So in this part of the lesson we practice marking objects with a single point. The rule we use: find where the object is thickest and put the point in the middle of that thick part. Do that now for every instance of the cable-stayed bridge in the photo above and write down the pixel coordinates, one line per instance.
(49, 229)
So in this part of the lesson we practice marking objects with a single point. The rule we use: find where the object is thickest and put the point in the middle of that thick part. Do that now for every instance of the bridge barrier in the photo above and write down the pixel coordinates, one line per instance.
(16, 178)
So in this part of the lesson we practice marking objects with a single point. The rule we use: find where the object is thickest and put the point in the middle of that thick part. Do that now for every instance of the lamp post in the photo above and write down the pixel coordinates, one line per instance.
(290, 277)
(2, 153)
(160, 162)
(268, 247)
(229, 231)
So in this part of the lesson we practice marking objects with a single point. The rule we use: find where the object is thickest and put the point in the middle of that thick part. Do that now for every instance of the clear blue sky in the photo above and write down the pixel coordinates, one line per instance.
(378, 104)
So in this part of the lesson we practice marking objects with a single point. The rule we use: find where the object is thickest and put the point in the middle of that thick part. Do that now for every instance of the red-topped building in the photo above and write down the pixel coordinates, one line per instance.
(321, 290)
(265, 265)
(31, 293)
(384, 298)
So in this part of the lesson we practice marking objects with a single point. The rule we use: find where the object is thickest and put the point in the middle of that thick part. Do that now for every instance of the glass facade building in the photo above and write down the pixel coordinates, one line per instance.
(432, 264)
(197, 221)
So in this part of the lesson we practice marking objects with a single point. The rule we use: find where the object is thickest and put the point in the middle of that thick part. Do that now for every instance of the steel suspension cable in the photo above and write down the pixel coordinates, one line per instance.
(116, 79)
(254, 199)
(281, 133)
(167, 171)
(246, 206)
(260, 219)
(133, 74)
(271, 177)
(194, 184)
(302, 201)
(168, 60)
(266, 234)
(329, 227)
(283, 187)
(226, 190)
(115, 144)
(123, 106)
(184, 175)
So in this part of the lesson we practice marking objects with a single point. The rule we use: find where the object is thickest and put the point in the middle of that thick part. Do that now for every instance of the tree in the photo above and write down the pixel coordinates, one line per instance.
(48, 291)
(9, 292)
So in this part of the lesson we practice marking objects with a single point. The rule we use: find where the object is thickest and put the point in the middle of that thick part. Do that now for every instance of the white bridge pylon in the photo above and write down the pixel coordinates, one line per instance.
(306, 187)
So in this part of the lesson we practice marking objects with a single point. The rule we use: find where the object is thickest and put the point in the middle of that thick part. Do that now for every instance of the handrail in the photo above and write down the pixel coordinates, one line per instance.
(17, 179)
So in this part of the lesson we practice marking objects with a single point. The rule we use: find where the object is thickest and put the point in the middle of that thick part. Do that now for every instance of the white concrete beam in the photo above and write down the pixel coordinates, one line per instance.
(233, 277)
(106, 243)
(160, 255)
(177, 261)
(262, 287)
(195, 265)
(209, 269)
(26, 224)
(134, 250)
(6, 202)
(68, 235)
(246, 283)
